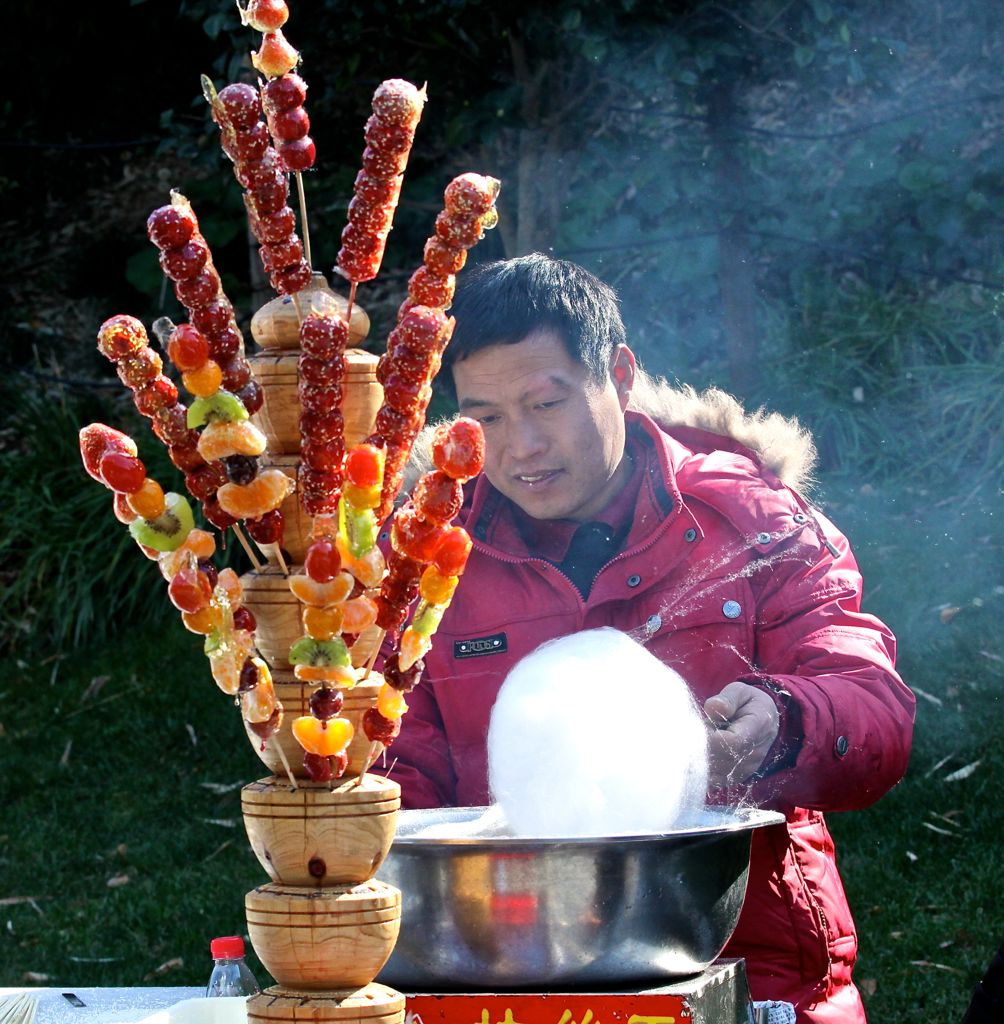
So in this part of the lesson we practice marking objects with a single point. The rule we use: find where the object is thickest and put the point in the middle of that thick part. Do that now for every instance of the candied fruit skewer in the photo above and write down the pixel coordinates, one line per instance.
(262, 175)
(123, 340)
(397, 108)
(468, 212)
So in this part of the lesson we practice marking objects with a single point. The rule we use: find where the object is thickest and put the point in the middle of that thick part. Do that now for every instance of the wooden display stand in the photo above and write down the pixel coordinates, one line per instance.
(324, 926)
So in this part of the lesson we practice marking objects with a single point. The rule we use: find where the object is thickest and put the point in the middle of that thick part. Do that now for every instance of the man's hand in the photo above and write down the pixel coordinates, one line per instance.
(744, 724)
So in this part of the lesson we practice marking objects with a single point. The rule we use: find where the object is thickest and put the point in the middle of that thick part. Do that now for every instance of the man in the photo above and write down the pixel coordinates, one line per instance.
(590, 513)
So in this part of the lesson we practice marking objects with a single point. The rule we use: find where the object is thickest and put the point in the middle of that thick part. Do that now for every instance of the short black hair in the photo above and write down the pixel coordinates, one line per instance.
(500, 303)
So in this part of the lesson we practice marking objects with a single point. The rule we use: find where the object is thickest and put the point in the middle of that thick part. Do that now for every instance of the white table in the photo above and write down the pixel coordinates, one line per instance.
(103, 1005)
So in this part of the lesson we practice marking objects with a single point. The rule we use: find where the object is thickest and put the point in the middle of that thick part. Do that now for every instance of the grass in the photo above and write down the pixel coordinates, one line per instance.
(122, 817)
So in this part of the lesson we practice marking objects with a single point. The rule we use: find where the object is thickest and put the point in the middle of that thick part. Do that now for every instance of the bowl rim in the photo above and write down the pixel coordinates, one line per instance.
(724, 820)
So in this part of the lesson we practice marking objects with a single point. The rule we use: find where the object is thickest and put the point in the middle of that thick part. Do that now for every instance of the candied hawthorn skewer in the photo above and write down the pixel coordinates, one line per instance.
(397, 108)
(263, 176)
(468, 212)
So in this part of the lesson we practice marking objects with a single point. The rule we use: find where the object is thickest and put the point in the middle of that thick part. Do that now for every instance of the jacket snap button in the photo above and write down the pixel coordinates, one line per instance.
(653, 623)
(690, 535)
(841, 746)
(763, 538)
(633, 581)
(732, 609)
(798, 517)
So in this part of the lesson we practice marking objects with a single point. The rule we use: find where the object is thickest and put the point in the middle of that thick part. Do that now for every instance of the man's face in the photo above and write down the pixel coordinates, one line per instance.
(554, 436)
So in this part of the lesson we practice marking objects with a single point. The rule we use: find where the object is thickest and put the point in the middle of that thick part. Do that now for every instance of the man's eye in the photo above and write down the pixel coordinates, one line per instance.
(487, 421)
(549, 405)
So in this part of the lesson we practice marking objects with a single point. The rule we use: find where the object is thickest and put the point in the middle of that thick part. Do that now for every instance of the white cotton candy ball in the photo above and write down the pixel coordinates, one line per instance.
(592, 735)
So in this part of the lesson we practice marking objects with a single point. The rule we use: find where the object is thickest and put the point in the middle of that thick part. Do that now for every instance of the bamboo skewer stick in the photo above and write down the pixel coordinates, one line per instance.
(247, 547)
(352, 302)
(277, 747)
(303, 218)
(371, 661)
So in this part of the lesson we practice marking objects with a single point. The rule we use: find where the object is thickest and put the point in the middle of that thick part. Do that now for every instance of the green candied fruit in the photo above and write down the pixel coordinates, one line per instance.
(168, 531)
(427, 618)
(308, 651)
(221, 406)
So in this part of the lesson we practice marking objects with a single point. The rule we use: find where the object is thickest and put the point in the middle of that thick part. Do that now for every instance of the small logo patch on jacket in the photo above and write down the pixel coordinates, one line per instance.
(479, 646)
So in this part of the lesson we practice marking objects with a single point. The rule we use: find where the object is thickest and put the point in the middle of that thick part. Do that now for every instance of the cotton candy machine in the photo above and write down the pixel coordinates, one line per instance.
(492, 913)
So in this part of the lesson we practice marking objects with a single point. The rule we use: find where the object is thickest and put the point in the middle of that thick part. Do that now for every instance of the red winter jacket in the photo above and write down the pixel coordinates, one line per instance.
(727, 574)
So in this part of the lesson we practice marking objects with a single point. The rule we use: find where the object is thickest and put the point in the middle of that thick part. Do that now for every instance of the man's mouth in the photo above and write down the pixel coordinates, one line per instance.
(535, 479)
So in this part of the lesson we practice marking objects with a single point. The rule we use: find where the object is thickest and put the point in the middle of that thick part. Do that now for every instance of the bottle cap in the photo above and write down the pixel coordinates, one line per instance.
(227, 947)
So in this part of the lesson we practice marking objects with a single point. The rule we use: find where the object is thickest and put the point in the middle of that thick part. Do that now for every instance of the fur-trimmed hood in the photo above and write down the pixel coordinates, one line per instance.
(783, 444)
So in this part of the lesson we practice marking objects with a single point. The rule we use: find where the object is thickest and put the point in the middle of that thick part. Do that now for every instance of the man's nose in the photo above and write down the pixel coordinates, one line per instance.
(524, 440)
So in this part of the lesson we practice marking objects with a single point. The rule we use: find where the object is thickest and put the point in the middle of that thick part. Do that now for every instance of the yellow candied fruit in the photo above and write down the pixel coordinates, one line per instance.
(231, 584)
(323, 738)
(360, 613)
(203, 621)
(322, 623)
(437, 588)
(204, 381)
(340, 675)
(361, 497)
(413, 646)
(320, 595)
(258, 704)
(148, 501)
(390, 702)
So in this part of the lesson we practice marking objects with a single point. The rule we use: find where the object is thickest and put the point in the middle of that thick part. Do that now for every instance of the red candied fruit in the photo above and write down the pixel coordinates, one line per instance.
(372, 218)
(278, 255)
(186, 260)
(325, 456)
(215, 514)
(318, 767)
(325, 702)
(379, 729)
(212, 316)
(459, 231)
(320, 482)
(284, 93)
(250, 676)
(320, 503)
(376, 191)
(438, 497)
(244, 619)
(412, 365)
(471, 194)
(413, 535)
(322, 561)
(289, 125)
(236, 374)
(396, 426)
(364, 466)
(198, 290)
(299, 155)
(453, 551)
(458, 448)
(321, 373)
(404, 680)
(359, 267)
(266, 15)
(121, 336)
(399, 103)
(276, 226)
(324, 336)
(401, 394)
(292, 279)
(252, 397)
(319, 399)
(187, 347)
(422, 327)
(190, 590)
(171, 226)
(250, 173)
(160, 393)
(248, 144)
(138, 369)
(383, 163)
(381, 135)
(443, 259)
(269, 197)
(266, 529)
(225, 344)
(170, 424)
(121, 472)
(241, 105)
(204, 482)
(428, 289)
(322, 426)
(186, 457)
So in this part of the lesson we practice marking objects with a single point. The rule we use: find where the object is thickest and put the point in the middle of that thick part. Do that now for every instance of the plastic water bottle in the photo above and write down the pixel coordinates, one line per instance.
(231, 975)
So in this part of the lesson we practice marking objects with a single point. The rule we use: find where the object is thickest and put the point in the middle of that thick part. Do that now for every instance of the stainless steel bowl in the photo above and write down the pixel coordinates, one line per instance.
(493, 914)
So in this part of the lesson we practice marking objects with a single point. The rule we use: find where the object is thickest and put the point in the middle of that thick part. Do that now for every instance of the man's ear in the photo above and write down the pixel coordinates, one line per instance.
(622, 368)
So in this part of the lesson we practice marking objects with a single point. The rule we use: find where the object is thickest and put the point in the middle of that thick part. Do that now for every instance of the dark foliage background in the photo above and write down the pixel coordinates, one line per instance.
(798, 200)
